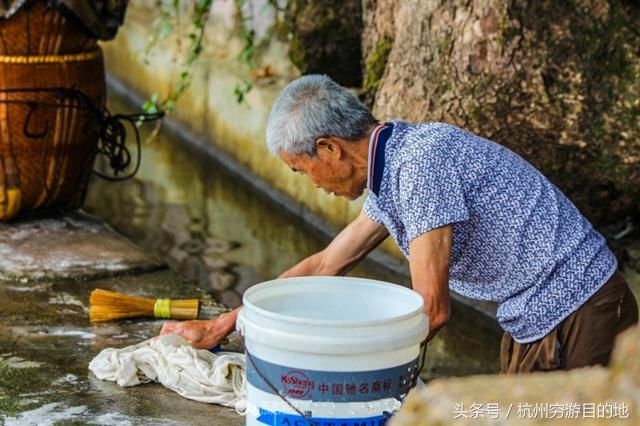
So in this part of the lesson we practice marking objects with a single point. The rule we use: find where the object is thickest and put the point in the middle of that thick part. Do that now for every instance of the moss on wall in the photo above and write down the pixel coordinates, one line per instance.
(374, 65)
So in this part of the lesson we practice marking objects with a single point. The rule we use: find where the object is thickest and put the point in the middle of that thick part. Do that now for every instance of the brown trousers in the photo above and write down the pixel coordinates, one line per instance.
(585, 337)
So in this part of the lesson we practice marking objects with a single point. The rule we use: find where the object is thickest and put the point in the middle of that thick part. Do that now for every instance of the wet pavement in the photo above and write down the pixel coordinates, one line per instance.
(73, 245)
(46, 343)
(49, 266)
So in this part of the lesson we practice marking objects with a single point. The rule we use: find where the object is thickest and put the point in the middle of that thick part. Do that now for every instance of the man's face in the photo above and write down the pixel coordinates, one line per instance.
(328, 169)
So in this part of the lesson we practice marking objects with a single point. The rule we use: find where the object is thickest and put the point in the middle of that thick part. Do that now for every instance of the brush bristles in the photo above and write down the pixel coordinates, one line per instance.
(107, 305)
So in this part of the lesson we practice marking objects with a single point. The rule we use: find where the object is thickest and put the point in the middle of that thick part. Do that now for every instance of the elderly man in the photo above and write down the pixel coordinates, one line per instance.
(468, 214)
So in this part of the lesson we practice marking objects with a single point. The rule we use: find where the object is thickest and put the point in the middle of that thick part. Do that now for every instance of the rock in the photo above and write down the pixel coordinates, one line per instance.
(625, 362)
(557, 398)
(73, 245)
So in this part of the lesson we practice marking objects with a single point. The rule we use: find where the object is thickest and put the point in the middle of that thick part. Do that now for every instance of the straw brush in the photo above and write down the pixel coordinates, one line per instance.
(107, 305)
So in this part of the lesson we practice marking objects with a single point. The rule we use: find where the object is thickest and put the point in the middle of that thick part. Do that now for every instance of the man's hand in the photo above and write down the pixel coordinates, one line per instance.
(430, 256)
(203, 334)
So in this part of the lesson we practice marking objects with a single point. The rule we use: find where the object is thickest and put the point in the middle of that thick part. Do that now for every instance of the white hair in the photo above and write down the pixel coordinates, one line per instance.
(311, 107)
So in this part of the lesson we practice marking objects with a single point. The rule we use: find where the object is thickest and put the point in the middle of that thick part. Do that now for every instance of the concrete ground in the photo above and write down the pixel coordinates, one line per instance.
(48, 268)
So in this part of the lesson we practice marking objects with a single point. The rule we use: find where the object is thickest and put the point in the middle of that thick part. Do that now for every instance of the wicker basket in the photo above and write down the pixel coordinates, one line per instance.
(37, 29)
(49, 116)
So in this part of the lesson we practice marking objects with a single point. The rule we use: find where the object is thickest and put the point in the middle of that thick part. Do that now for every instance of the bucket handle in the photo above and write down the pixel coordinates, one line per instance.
(421, 360)
(307, 414)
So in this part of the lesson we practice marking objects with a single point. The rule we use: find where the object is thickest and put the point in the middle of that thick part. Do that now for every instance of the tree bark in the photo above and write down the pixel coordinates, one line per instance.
(557, 82)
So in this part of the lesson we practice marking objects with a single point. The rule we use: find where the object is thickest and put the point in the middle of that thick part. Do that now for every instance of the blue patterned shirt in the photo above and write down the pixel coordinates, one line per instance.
(517, 240)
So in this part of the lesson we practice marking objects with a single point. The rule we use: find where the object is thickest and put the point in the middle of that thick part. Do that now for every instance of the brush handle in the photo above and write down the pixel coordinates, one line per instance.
(177, 309)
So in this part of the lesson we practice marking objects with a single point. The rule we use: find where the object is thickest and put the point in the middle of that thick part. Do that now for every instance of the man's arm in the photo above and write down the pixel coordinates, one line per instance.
(430, 256)
(350, 246)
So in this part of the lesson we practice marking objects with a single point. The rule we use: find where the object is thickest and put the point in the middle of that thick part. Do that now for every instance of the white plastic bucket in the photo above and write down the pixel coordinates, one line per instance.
(340, 351)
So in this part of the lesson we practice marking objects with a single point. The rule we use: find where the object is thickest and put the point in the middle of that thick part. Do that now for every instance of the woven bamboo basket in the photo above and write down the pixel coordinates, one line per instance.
(37, 29)
(50, 103)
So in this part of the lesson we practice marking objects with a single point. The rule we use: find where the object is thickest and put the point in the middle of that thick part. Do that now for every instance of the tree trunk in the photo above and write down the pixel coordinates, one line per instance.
(556, 81)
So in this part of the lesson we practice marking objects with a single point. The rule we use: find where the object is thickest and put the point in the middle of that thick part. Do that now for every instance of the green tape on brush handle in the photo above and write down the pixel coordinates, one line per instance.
(162, 308)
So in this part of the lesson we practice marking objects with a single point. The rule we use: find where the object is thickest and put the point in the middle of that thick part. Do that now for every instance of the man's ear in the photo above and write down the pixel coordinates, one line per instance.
(328, 147)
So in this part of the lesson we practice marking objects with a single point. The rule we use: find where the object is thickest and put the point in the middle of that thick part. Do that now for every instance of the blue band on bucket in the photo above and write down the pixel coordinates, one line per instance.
(347, 386)
(285, 419)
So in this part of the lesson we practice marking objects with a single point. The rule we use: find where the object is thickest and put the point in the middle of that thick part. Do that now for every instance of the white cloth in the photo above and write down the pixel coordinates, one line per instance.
(170, 360)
